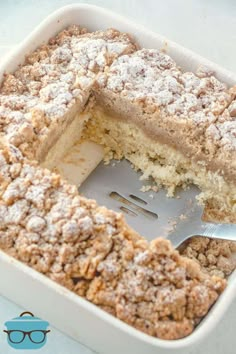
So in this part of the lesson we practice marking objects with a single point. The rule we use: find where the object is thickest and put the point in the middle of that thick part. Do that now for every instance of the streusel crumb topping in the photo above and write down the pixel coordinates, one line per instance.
(151, 76)
(217, 257)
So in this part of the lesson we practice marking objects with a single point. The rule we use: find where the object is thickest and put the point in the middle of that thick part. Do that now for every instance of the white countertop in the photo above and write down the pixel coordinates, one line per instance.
(208, 28)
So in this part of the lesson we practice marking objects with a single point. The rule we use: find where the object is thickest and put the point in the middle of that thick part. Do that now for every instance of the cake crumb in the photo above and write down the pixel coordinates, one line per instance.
(145, 188)
(148, 188)
(183, 217)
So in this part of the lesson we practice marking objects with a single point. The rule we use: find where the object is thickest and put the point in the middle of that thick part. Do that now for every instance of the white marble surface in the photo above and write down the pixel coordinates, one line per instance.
(207, 27)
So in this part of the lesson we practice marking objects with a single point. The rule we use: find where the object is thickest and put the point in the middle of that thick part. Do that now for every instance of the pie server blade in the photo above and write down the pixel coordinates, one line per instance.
(117, 186)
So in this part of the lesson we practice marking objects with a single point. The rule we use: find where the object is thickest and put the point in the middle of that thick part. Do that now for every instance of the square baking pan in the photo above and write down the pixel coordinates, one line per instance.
(65, 310)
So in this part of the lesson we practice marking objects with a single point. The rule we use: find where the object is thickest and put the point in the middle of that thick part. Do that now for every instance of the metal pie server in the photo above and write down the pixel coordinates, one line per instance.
(117, 186)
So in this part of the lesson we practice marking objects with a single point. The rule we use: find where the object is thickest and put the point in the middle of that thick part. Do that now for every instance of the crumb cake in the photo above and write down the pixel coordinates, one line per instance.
(177, 127)
(89, 249)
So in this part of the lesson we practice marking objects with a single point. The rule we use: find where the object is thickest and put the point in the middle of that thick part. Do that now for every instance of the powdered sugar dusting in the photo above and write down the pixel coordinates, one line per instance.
(154, 77)
(224, 134)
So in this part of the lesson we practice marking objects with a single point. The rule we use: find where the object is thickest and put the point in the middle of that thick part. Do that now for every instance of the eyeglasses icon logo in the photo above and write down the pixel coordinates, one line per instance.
(26, 332)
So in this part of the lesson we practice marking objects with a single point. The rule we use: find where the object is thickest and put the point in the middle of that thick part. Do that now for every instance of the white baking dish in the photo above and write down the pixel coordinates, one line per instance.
(63, 309)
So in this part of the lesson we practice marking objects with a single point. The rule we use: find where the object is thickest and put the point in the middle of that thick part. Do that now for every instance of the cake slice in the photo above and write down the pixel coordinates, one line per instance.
(160, 118)
(47, 94)
(93, 252)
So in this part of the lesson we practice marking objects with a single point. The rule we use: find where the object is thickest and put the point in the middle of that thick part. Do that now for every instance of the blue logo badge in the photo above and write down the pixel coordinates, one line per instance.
(26, 332)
